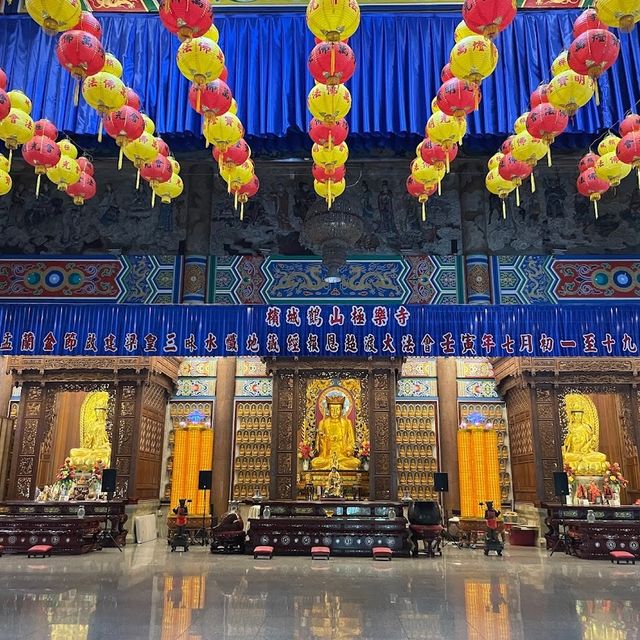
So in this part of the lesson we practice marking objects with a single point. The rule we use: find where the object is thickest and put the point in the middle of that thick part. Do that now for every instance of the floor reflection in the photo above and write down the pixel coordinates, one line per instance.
(154, 595)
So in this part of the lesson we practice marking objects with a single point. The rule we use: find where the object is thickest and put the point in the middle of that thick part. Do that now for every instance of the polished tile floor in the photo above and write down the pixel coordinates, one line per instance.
(149, 593)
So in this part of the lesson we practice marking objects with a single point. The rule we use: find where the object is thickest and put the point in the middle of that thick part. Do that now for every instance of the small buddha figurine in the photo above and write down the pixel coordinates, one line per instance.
(335, 436)
(333, 488)
(580, 447)
(95, 442)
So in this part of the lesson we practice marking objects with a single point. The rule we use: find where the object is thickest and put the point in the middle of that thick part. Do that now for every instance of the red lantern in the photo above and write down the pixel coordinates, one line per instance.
(545, 122)
(421, 192)
(628, 151)
(5, 104)
(324, 175)
(215, 98)
(85, 165)
(246, 191)
(446, 73)
(436, 154)
(629, 124)
(458, 97)
(46, 128)
(588, 161)
(187, 18)
(328, 134)
(237, 153)
(42, 153)
(156, 172)
(588, 19)
(592, 187)
(3, 79)
(331, 62)
(539, 96)
(514, 170)
(81, 54)
(505, 147)
(124, 125)
(224, 75)
(163, 147)
(488, 17)
(89, 24)
(82, 190)
(592, 53)
(133, 99)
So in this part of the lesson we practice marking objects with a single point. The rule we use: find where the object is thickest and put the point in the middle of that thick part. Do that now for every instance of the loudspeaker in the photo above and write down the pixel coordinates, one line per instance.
(204, 480)
(109, 480)
(560, 483)
(440, 481)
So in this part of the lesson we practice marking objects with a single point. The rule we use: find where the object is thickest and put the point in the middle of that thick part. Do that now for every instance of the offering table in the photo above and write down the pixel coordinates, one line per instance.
(615, 529)
(347, 527)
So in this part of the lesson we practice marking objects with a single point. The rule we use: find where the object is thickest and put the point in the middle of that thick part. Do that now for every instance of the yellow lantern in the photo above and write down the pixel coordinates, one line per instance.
(235, 175)
(67, 148)
(330, 157)
(520, 125)
(569, 91)
(500, 187)
(333, 20)
(329, 190)
(462, 31)
(55, 15)
(560, 64)
(149, 124)
(144, 149)
(427, 174)
(169, 190)
(528, 149)
(200, 60)
(494, 160)
(212, 34)
(112, 65)
(175, 165)
(329, 103)
(446, 131)
(223, 131)
(609, 144)
(19, 100)
(610, 168)
(104, 92)
(5, 182)
(618, 13)
(65, 173)
(473, 58)
(434, 105)
(16, 129)
(234, 107)
(4, 164)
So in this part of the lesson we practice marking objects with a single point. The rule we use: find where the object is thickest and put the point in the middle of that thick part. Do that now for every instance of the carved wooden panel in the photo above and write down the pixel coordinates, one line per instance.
(285, 391)
(547, 438)
(284, 488)
(381, 437)
(124, 433)
(285, 464)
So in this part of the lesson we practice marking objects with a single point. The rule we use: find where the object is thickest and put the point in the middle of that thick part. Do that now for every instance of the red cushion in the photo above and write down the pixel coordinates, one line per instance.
(382, 551)
(40, 548)
(622, 555)
(263, 550)
(320, 551)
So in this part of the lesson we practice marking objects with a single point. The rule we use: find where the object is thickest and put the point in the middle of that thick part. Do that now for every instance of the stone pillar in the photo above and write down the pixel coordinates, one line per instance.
(478, 280)
(194, 280)
(223, 434)
(448, 396)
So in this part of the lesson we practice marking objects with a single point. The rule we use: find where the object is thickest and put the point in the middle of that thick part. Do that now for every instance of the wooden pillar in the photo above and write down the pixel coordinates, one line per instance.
(448, 400)
(223, 433)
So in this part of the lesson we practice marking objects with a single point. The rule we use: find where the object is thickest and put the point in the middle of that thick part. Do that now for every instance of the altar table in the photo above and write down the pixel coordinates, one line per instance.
(347, 527)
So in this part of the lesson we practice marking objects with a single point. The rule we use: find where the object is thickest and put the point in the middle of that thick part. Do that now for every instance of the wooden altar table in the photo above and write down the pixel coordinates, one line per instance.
(347, 527)
(615, 529)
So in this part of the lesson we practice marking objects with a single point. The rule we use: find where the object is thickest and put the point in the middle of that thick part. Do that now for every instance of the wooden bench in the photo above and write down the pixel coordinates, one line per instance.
(382, 553)
(622, 556)
(263, 552)
(43, 550)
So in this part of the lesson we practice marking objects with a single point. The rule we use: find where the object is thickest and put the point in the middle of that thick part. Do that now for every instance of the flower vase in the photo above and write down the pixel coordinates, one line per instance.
(365, 465)
(305, 464)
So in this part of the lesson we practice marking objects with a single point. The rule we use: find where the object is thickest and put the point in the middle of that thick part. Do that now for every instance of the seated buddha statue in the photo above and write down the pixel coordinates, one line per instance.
(95, 442)
(335, 438)
(580, 447)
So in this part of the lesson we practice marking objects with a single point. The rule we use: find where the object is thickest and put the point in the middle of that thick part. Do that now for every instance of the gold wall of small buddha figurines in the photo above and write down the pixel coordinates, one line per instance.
(416, 447)
(252, 459)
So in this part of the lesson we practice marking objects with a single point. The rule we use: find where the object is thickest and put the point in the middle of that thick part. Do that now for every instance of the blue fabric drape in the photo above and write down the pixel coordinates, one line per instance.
(399, 60)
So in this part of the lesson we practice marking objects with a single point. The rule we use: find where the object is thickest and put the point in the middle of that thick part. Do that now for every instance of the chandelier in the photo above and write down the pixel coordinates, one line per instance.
(331, 233)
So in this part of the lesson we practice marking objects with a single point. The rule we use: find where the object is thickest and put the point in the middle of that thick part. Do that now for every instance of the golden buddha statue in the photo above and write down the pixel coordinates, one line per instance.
(335, 436)
(94, 439)
(580, 447)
